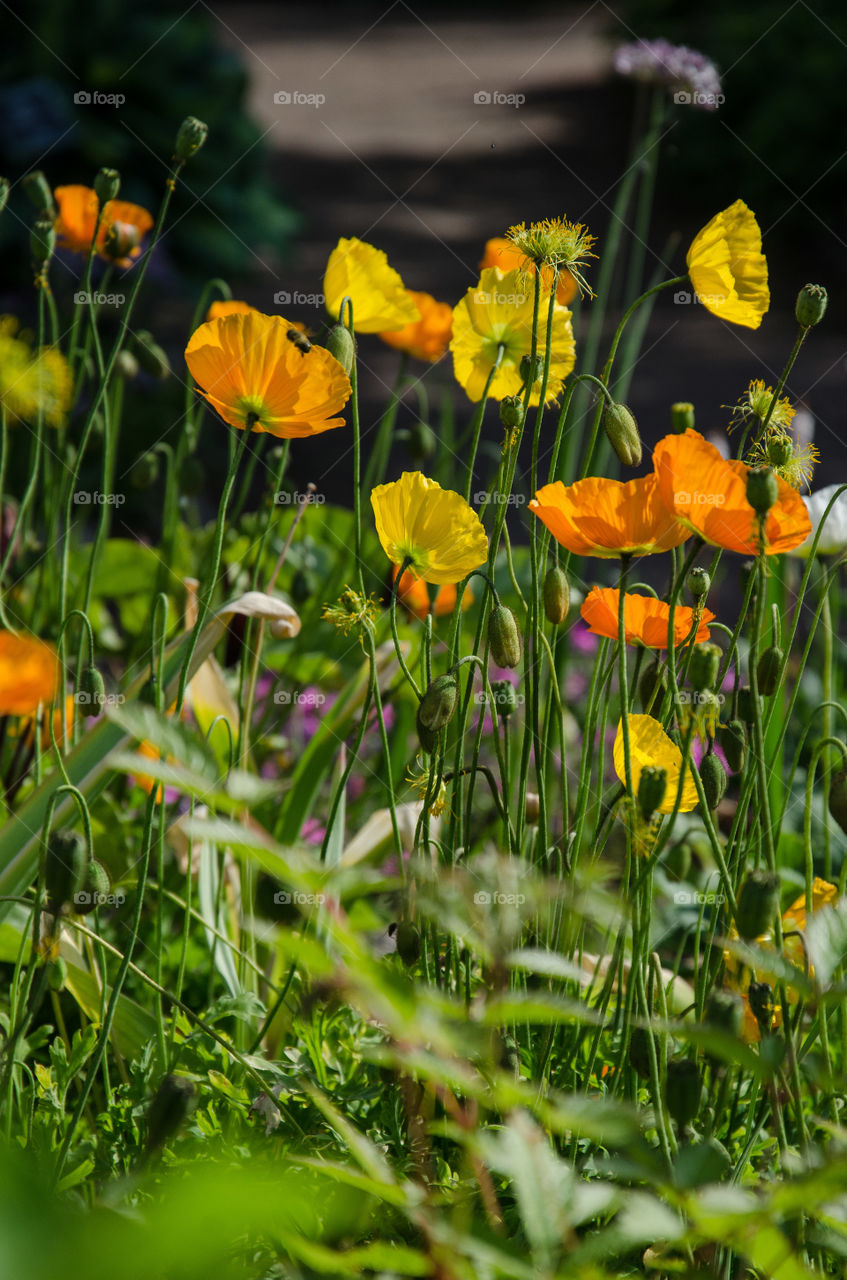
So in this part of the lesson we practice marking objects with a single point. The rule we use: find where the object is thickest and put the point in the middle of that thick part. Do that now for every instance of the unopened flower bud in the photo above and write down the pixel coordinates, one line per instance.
(779, 450)
(151, 356)
(705, 665)
(677, 860)
(341, 344)
(760, 995)
(748, 706)
(505, 698)
(758, 902)
(408, 942)
(126, 364)
(810, 307)
(699, 583)
(107, 184)
(428, 738)
(39, 194)
(168, 1110)
(145, 470)
(768, 670)
(762, 489)
(121, 239)
(422, 441)
(652, 786)
(713, 777)
(438, 705)
(556, 595)
(622, 430)
(733, 739)
(92, 690)
(682, 417)
(536, 369)
(652, 685)
(190, 138)
(725, 1011)
(683, 1091)
(838, 796)
(512, 412)
(95, 887)
(42, 242)
(57, 973)
(504, 637)
(532, 808)
(65, 866)
(638, 1052)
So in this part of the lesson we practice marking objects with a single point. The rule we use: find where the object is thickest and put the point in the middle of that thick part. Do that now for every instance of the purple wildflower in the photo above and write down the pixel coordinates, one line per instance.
(690, 76)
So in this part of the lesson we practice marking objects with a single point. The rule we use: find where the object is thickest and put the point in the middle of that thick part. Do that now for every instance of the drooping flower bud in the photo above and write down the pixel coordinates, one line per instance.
(426, 737)
(505, 698)
(92, 691)
(810, 307)
(65, 866)
(713, 777)
(682, 417)
(838, 796)
(168, 1110)
(652, 786)
(39, 194)
(556, 595)
(151, 356)
(438, 705)
(145, 470)
(95, 888)
(107, 184)
(42, 242)
(768, 670)
(504, 637)
(733, 739)
(705, 665)
(408, 942)
(190, 138)
(622, 430)
(121, 239)
(512, 412)
(683, 1091)
(758, 902)
(341, 344)
(699, 583)
(748, 707)
(762, 489)
(652, 685)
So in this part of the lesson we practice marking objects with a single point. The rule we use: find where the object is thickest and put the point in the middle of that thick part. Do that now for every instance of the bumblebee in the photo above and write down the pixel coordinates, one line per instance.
(301, 342)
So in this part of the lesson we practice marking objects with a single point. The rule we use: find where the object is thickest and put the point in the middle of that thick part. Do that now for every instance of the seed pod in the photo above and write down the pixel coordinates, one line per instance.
(505, 698)
(504, 637)
(838, 796)
(168, 1110)
(64, 867)
(556, 595)
(638, 1052)
(190, 138)
(699, 583)
(713, 777)
(747, 705)
(341, 344)
(733, 738)
(683, 1091)
(725, 1011)
(758, 903)
(107, 184)
(779, 450)
(42, 242)
(145, 471)
(408, 942)
(622, 430)
(760, 995)
(768, 669)
(38, 192)
(438, 705)
(682, 417)
(121, 239)
(810, 307)
(532, 808)
(762, 489)
(512, 412)
(652, 786)
(532, 372)
(92, 691)
(705, 664)
(427, 737)
(652, 685)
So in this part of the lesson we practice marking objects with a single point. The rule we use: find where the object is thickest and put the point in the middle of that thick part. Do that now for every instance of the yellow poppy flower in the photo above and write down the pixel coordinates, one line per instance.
(250, 370)
(358, 271)
(32, 381)
(727, 268)
(650, 746)
(29, 673)
(433, 527)
(498, 312)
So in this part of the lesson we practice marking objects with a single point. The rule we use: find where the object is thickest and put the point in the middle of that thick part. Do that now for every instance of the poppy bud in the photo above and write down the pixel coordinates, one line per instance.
(505, 698)
(4, 193)
(92, 691)
(302, 586)
(42, 242)
(504, 637)
(512, 412)
(190, 138)
(725, 1012)
(762, 489)
(341, 344)
(107, 184)
(168, 1110)
(408, 942)
(556, 595)
(760, 995)
(65, 866)
(683, 1091)
(57, 973)
(95, 888)
(638, 1052)
(532, 808)
(705, 664)
(527, 368)
(699, 583)
(677, 860)
(779, 450)
(682, 417)
(38, 192)
(427, 738)
(838, 796)
(768, 670)
(713, 777)
(758, 902)
(733, 739)
(810, 307)
(145, 470)
(121, 239)
(748, 707)
(126, 364)
(652, 786)
(438, 705)
(422, 441)
(748, 571)
(191, 475)
(652, 685)
(622, 430)
(151, 356)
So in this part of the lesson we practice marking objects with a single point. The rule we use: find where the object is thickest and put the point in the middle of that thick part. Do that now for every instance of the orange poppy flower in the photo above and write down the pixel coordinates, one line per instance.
(429, 337)
(608, 518)
(122, 227)
(228, 307)
(413, 595)
(29, 673)
(645, 618)
(708, 493)
(250, 370)
(500, 252)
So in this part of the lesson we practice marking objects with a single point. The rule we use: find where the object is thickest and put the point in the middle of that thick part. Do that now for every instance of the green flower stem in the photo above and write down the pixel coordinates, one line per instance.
(765, 823)
(346, 309)
(394, 634)
(478, 415)
(623, 687)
